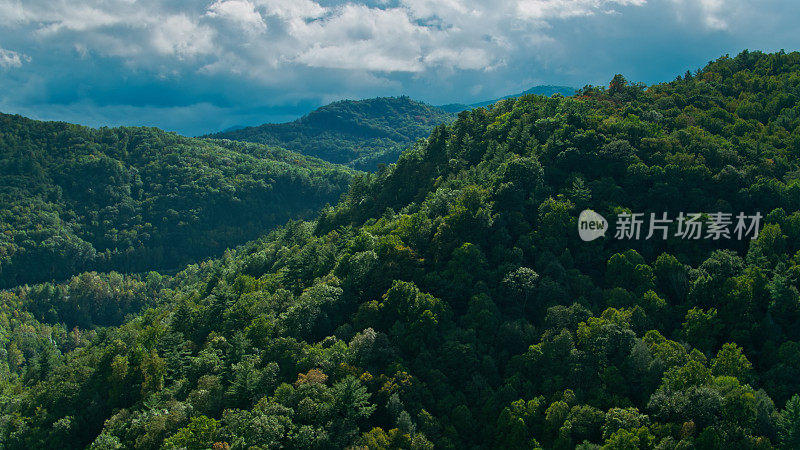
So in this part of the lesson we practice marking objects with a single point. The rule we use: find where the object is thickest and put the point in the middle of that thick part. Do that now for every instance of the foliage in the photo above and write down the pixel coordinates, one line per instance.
(139, 199)
(363, 134)
(448, 301)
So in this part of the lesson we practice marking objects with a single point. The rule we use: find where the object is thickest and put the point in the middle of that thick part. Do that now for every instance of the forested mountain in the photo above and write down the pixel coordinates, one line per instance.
(544, 90)
(137, 199)
(361, 134)
(448, 301)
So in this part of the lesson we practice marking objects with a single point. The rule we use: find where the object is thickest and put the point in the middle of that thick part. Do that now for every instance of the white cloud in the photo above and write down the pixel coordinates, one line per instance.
(292, 9)
(12, 59)
(359, 37)
(545, 9)
(51, 17)
(565, 9)
(294, 50)
(415, 36)
(11, 12)
(438, 8)
(464, 59)
(241, 12)
(358, 56)
(714, 15)
(81, 18)
(180, 36)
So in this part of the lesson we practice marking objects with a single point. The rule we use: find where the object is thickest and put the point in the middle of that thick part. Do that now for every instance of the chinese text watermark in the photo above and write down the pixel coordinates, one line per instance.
(634, 226)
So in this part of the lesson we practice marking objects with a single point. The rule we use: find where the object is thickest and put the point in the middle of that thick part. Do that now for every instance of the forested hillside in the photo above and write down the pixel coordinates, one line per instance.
(448, 301)
(139, 199)
(544, 90)
(361, 134)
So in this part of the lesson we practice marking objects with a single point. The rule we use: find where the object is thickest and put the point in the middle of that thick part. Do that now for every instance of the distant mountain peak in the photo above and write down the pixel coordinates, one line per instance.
(360, 133)
(364, 133)
(544, 90)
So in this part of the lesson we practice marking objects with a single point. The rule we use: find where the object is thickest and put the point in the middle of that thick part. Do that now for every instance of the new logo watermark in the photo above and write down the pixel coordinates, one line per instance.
(714, 226)
(591, 225)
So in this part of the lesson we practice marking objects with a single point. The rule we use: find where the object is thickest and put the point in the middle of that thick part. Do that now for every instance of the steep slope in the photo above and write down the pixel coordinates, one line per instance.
(137, 199)
(448, 300)
(544, 90)
(361, 134)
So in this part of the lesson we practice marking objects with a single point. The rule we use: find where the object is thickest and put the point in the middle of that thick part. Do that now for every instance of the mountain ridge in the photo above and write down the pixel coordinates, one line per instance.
(544, 90)
(359, 133)
(363, 133)
(134, 198)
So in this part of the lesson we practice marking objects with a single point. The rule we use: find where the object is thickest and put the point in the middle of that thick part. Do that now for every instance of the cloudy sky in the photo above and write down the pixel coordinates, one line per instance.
(196, 66)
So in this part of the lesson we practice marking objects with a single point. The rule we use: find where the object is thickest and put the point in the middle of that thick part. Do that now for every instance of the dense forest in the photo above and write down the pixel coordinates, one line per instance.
(448, 302)
(362, 134)
(138, 199)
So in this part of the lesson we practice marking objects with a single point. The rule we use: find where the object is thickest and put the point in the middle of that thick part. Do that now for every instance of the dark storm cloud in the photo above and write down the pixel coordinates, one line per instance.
(200, 66)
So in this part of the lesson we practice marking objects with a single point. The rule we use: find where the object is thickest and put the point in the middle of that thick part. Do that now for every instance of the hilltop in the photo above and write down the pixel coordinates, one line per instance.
(359, 133)
(543, 90)
(139, 199)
